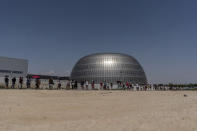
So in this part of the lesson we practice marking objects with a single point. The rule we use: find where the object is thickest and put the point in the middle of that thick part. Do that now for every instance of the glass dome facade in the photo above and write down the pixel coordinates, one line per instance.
(109, 67)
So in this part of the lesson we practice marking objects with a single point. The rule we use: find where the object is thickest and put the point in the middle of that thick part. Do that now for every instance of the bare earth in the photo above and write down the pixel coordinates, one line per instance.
(31, 110)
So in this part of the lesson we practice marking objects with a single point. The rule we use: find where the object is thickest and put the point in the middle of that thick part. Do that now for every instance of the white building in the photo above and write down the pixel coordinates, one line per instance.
(13, 67)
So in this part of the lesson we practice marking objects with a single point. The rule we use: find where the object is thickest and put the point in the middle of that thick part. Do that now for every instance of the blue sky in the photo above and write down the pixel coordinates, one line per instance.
(54, 34)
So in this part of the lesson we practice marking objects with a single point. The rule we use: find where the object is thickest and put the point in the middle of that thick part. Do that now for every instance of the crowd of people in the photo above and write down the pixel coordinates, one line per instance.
(84, 85)
(73, 84)
(20, 85)
(28, 83)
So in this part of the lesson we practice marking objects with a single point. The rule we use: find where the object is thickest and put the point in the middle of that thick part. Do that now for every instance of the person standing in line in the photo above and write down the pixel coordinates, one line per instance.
(123, 86)
(6, 81)
(105, 86)
(28, 83)
(101, 85)
(87, 84)
(145, 88)
(73, 84)
(21, 82)
(68, 85)
(111, 86)
(38, 83)
(93, 85)
(131, 87)
(137, 87)
(82, 85)
(51, 83)
(76, 85)
(59, 86)
(127, 85)
(13, 82)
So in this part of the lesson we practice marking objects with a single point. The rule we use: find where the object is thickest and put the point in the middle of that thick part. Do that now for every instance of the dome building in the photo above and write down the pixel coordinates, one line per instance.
(109, 67)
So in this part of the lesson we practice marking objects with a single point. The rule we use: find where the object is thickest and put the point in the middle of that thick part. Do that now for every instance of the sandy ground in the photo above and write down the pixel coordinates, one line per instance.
(31, 110)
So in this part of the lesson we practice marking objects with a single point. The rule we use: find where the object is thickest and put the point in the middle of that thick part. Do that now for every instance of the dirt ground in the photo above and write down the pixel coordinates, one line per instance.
(42, 110)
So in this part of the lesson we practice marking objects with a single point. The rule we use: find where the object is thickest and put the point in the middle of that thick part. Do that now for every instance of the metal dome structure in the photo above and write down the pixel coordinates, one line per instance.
(109, 67)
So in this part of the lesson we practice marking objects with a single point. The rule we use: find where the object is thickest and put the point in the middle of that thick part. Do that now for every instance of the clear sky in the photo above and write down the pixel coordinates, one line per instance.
(54, 34)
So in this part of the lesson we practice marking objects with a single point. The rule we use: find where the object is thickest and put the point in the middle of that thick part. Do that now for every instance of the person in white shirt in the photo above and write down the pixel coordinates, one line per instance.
(87, 84)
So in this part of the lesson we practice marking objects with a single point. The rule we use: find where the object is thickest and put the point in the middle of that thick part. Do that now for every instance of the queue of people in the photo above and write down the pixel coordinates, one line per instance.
(29, 83)
(74, 85)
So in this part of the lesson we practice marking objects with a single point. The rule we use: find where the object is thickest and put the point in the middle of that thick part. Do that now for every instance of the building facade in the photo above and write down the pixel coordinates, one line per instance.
(12, 67)
(109, 67)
